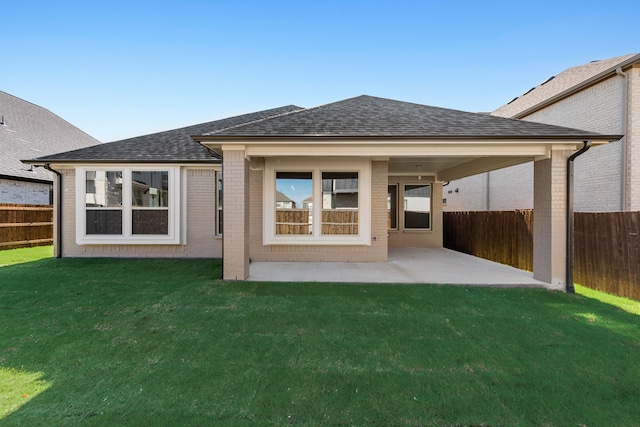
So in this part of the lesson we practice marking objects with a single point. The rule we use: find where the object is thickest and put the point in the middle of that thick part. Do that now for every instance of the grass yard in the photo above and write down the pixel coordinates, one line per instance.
(163, 342)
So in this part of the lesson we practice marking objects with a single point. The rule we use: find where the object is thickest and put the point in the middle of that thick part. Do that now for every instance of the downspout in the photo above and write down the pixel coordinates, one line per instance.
(569, 262)
(625, 124)
(59, 210)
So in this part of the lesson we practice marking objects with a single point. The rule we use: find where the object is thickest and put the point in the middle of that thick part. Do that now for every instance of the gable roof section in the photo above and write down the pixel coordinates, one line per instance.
(367, 117)
(562, 85)
(28, 130)
(172, 146)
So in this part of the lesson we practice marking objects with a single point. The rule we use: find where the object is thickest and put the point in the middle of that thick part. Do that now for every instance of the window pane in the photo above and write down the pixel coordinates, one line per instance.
(219, 205)
(150, 189)
(150, 221)
(103, 189)
(339, 203)
(103, 221)
(417, 206)
(392, 207)
(294, 203)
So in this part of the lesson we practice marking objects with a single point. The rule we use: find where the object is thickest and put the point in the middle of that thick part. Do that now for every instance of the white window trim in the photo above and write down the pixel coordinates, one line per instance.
(127, 238)
(317, 166)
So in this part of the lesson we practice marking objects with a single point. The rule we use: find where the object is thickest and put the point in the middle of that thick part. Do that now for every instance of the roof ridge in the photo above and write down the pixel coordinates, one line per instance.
(258, 120)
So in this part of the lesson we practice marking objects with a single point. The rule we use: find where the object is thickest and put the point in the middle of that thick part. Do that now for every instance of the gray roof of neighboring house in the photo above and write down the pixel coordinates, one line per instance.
(28, 130)
(564, 83)
(281, 197)
(367, 116)
(172, 146)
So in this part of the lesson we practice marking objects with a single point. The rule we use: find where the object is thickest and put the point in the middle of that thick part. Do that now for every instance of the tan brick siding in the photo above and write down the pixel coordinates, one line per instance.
(549, 218)
(633, 140)
(236, 215)
(200, 219)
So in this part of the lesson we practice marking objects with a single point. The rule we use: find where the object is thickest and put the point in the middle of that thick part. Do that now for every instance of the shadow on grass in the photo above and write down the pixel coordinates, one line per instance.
(164, 342)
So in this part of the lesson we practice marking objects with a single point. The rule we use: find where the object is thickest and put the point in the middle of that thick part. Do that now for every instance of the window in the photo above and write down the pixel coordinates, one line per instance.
(316, 201)
(293, 216)
(417, 206)
(127, 205)
(219, 203)
(103, 201)
(150, 202)
(392, 206)
(339, 203)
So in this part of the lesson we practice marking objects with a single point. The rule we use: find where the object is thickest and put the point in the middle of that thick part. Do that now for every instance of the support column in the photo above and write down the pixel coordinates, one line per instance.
(235, 240)
(549, 219)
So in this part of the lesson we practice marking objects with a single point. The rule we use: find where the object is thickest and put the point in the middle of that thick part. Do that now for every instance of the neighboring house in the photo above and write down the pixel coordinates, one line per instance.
(28, 131)
(283, 202)
(393, 156)
(601, 96)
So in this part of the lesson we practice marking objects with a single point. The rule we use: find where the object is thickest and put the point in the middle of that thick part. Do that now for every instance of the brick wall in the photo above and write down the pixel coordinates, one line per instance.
(23, 192)
(199, 208)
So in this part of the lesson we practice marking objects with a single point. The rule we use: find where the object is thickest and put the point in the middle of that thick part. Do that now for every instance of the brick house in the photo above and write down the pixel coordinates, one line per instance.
(28, 130)
(601, 96)
(366, 174)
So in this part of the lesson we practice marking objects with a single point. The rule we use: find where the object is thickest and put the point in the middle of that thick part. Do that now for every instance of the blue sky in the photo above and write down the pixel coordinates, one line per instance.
(118, 69)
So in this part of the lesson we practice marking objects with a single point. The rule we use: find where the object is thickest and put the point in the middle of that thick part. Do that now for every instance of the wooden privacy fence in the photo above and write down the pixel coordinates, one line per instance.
(23, 226)
(504, 237)
(607, 252)
(334, 221)
(606, 245)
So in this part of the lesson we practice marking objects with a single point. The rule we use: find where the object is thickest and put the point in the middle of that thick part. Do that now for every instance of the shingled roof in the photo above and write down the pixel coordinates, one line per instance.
(172, 146)
(28, 130)
(566, 82)
(367, 116)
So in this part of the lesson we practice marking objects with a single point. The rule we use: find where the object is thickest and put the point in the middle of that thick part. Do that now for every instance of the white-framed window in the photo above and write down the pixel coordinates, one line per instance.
(392, 206)
(219, 217)
(417, 206)
(317, 201)
(127, 205)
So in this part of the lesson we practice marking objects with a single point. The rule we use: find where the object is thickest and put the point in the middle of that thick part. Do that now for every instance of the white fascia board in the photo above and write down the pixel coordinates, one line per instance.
(398, 150)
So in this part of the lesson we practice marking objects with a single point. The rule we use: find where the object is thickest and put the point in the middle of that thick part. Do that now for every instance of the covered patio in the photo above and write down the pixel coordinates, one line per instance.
(405, 265)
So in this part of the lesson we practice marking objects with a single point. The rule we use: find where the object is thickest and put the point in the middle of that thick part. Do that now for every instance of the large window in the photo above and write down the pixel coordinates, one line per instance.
(103, 201)
(294, 203)
(340, 203)
(127, 205)
(417, 206)
(311, 201)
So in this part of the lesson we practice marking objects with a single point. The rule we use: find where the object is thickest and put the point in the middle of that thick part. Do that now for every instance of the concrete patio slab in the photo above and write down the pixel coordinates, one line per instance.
(407, 265)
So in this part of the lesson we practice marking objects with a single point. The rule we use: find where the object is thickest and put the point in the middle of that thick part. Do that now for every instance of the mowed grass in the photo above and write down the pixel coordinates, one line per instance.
(164, 342)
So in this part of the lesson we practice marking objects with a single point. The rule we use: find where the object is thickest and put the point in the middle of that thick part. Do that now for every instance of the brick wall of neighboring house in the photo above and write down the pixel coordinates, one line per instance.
(201, 241)
(24, 193)
(598, 176)
(633, 140)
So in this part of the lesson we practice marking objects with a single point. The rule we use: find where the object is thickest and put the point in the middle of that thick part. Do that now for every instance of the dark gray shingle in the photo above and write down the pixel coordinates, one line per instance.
(367, 116)
(174, 146)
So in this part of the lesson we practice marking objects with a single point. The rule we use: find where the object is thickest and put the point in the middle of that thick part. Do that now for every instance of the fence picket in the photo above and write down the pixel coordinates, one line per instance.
(606, 245)
(24, 226)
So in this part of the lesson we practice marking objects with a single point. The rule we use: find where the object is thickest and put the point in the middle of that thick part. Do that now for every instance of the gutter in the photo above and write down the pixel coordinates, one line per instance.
(569, 261)
(625, 125)
(47, 166)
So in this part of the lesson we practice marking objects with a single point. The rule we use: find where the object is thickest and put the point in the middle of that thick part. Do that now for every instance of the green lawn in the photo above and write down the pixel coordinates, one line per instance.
(163, 342)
